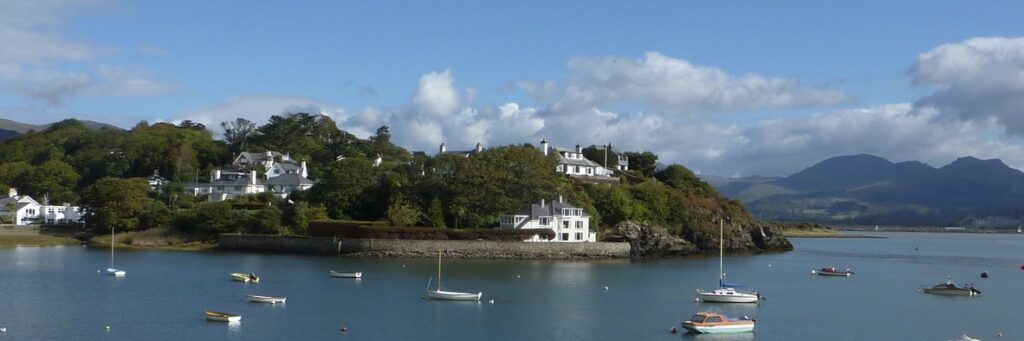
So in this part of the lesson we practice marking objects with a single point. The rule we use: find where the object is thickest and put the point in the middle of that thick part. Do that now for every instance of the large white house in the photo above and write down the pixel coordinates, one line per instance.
(23, 210)
(571, 162)
(273, 163)
(225, 185)
(571, 224)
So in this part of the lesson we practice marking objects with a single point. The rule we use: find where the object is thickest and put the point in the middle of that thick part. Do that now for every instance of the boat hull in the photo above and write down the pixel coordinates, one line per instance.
(222, 317)
(836, 274)
(728, 296)
(951, 292)
(265, 299)
(346, 274)
(454, 296)
(242, 277)
(116, 272)
(720, 329)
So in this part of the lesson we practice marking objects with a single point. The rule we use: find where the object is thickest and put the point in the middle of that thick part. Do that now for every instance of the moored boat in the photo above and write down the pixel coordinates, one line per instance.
(245, 277)
(116, 272)
(715, 323)
(265, 299)
(346, 274)
(950, 288)
(726, 292)
(439, 294)
(832, 271)
(221, 317)
(111, 270)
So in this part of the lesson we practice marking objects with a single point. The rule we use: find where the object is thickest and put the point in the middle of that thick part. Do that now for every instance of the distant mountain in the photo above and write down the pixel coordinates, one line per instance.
(9, 128)
(866, 189)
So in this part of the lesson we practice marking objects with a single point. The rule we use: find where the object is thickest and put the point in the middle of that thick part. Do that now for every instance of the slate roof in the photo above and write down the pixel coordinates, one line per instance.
(230, 180)
(18, 204)
(549, 209)
(290, 179)
(258, 157)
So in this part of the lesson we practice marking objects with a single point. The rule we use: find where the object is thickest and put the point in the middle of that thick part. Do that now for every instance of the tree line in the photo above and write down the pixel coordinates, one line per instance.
(104, 171)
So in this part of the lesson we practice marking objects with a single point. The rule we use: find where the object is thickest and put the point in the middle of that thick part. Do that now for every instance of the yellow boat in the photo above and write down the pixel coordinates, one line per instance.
(245, 277)
(221, 317)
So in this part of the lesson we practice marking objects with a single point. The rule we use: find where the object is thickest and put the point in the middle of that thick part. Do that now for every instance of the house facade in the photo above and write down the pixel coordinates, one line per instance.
(23, 210)
(443, 150)
(225, 185)
(571, 162)
(570, 223)
(283, 185)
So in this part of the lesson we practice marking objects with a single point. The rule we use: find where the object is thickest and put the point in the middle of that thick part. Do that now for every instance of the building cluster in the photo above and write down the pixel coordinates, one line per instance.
(23, 210)
(281, 175)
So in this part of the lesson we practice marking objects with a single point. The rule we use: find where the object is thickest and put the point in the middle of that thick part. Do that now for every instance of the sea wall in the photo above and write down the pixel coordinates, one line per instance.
(423, 248)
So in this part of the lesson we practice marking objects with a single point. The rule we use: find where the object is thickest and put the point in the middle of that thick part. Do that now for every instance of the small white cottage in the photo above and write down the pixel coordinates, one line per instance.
(570, 223)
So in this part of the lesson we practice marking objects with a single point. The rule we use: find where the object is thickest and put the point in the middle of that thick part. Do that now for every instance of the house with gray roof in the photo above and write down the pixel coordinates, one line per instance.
(225, 185)
(443, 150)
(572, 163)
(283, 185)
(570, 223)
(23, 210)
(273, 163)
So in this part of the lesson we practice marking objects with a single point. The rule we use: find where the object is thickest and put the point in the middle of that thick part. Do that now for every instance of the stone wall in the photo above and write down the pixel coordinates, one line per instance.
(423, 248)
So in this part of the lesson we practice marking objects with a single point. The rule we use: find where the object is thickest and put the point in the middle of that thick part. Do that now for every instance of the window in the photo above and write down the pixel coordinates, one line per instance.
(519, 219)
(579, 236)
(713, 319)
(544, 221)
(590, 171)
(565, 236)
(577, 169)
(696, 318)
(579, 224)
(565, 224)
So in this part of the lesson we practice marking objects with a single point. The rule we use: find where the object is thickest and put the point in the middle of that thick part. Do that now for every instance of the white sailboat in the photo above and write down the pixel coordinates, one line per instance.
(726, 292)
(111, 270)
(440, 294)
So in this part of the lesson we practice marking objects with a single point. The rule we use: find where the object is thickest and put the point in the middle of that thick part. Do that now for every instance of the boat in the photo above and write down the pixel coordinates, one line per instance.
(715, 323)
(265, 299)
(346, 274)
(726, 292)
(112, 270)
(950, 288)
(439, 294)
(245, 277)
(221, 317)
(832, 271)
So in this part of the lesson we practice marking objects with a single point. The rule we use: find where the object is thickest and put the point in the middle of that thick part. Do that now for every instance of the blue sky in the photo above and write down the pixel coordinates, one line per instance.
(724, 88)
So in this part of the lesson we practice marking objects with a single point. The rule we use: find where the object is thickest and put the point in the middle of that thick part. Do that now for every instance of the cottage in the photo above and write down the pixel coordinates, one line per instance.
(19, 209)
(571, 162)
(60, 214)
(283, 185)
(443, 150)
(155, 180)
(273, 163)
(570, 223)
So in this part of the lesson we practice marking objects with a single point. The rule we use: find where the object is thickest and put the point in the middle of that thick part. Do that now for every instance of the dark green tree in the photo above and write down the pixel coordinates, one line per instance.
(115, 203)
(644, 162)
(341, 186)
(237, 134)
(436, 214)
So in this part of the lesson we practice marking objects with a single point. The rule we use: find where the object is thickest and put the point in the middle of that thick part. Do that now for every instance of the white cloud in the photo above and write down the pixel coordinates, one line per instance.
(40, 65)
(976, 79)
(674, 85)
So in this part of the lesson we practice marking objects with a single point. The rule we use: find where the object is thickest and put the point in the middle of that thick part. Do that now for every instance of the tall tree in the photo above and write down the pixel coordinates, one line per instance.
(115, 203)
(237, 134)
(644, 162)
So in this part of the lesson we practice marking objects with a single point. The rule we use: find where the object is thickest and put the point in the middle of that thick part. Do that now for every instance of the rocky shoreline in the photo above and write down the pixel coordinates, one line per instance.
(652, 241)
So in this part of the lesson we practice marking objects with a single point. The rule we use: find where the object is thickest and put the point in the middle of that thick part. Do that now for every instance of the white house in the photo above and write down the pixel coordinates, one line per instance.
(283, 185)
(225, 185)
(443, 150)
(23, 210)
(571, 162)
(273, 163)
(570, 223)
(155, 180)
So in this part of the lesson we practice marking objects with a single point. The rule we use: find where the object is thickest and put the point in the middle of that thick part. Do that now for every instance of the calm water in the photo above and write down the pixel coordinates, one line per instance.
(56, 293)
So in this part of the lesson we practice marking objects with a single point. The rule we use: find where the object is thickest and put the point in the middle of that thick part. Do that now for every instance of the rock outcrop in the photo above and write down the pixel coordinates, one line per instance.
(652, 241)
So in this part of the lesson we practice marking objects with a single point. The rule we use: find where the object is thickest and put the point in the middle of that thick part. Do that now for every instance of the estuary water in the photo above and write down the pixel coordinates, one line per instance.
(56, 293)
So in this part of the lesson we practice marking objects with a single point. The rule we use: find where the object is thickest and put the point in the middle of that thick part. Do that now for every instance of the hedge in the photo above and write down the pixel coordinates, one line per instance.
(353, 229)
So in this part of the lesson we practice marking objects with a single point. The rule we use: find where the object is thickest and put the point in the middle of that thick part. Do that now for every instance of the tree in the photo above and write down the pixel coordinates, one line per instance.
(115, 203)
(266, 221)
(237, 133)
(154, 214)
(341, 186)
(597, 154)
(54, 179)
(403, 213)
(436, 214)
(645, 162)
(216, 217)
(299, 214)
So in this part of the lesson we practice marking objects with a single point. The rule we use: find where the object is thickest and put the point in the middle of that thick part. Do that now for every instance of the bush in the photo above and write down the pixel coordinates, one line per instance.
(352, 229)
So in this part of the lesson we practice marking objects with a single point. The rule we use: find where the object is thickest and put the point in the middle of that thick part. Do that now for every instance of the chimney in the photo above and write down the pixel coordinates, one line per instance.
(286, 157)
(479, 147)
(442, 149)
(270, 155)
(578, 148)
(541, 202)
(559, 198)
(252, 177)
(215, 175)
(13, 192)
(544, 146)
(303, 171)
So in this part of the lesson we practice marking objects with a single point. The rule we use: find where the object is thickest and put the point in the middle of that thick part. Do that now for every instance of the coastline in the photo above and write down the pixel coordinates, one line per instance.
(32, 236)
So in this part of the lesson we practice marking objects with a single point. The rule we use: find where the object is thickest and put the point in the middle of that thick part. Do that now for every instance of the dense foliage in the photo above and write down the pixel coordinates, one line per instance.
(103, 169)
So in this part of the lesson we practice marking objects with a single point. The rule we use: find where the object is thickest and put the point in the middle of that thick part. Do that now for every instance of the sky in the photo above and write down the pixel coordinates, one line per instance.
(724, 88)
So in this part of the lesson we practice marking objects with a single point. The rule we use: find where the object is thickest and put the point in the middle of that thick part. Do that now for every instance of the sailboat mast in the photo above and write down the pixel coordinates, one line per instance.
(439, 271)
(111, 247)
(721, 252)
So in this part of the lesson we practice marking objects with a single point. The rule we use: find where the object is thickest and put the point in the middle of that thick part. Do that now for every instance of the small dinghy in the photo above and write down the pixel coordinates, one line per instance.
(265, 299)
(221, 317)
(715, 323)
(832, 271)
(346, 274)
(245, 277)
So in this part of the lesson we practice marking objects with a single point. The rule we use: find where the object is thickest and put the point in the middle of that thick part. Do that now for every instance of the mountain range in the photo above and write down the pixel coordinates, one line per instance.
(867, 189)
(9, 128)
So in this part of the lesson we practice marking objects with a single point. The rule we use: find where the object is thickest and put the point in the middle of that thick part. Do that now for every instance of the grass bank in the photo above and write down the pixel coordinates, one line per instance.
(810, 233)
(162, 239)
(33, 236)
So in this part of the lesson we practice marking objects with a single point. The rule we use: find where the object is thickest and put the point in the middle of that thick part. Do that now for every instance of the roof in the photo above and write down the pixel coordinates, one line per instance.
(549, 209)
(242, 180)
(257, 157)
(18, 201)
(290, 179)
